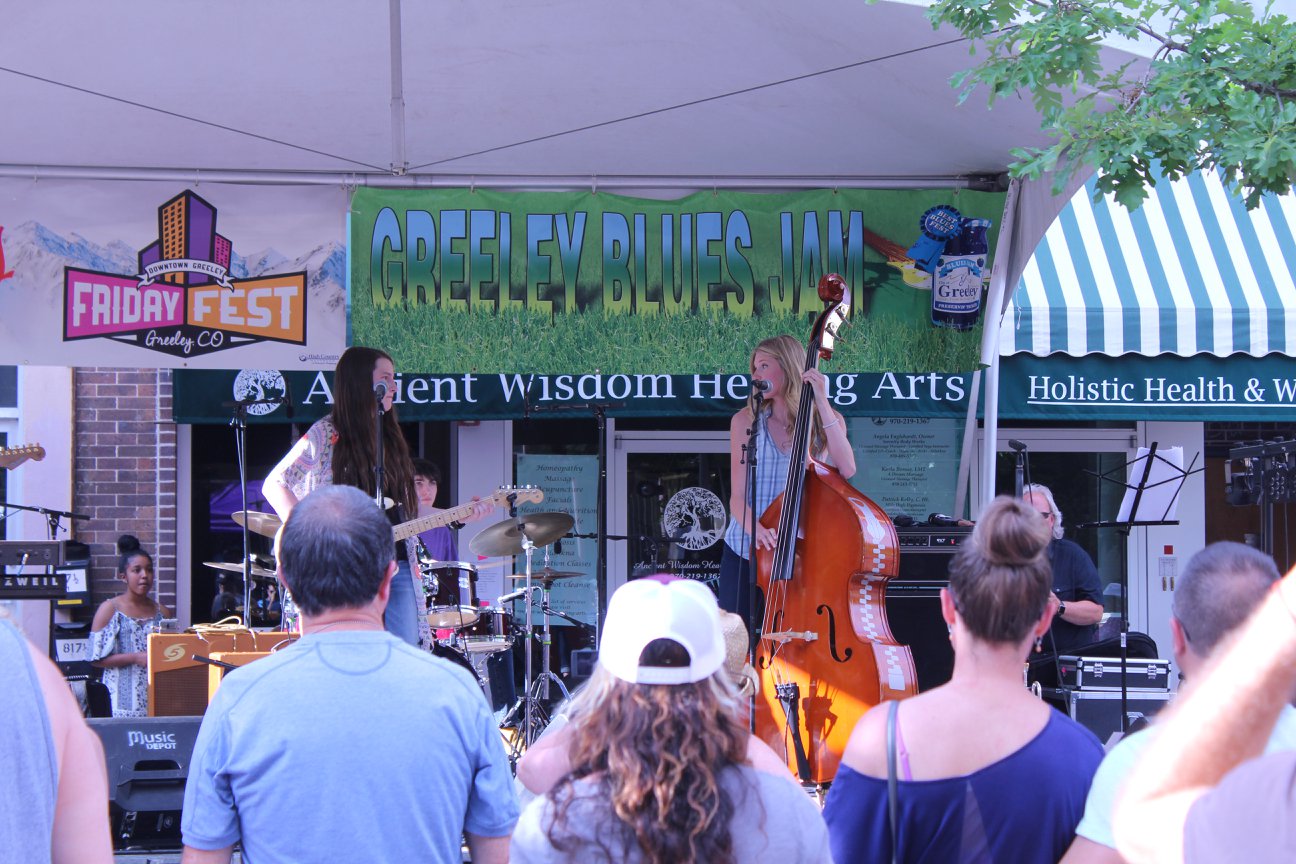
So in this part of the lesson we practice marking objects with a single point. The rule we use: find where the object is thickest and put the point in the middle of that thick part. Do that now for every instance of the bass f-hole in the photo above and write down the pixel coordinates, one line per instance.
(824, 609)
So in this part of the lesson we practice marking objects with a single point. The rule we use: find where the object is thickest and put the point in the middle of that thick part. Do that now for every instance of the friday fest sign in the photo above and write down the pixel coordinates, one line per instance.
(462, 280)
(130, 277)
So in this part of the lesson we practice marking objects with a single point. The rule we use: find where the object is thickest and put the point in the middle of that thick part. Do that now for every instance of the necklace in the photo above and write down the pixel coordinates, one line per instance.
(318, 628)
(780, 434)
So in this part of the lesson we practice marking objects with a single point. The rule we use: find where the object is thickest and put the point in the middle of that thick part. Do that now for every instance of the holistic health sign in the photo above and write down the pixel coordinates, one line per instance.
(1167, 387)
(148, 274)
(470, 280)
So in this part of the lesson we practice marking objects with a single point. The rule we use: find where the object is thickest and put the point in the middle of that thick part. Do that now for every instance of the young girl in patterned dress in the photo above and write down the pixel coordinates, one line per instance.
(119, 634)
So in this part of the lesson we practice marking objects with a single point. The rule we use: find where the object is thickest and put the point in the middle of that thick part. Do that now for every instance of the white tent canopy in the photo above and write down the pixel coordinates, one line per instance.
(659, 97)
(828, 91)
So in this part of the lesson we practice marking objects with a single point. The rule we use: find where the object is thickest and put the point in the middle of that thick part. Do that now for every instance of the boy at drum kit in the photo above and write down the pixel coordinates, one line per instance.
(469, 633)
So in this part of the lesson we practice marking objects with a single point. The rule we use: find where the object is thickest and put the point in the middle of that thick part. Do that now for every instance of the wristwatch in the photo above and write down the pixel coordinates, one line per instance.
(1061, 608)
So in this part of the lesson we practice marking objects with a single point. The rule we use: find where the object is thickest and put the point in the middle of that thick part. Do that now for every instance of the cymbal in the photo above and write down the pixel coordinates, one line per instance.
(257, 571)
(505, 538)
(547, 575)
(265, 524)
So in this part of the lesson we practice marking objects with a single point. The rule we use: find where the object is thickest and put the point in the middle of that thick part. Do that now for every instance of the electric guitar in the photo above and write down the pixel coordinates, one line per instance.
(521, 495)
(12, 457)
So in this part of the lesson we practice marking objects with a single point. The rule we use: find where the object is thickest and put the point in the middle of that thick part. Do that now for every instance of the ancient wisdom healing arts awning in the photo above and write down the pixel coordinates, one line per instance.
(1190, 272)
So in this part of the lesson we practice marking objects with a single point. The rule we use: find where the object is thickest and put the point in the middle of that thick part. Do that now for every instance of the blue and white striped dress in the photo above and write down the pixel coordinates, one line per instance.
(771, 477)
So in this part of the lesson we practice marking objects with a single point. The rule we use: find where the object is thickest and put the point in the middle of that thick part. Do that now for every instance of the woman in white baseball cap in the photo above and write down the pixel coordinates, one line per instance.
(655, 765)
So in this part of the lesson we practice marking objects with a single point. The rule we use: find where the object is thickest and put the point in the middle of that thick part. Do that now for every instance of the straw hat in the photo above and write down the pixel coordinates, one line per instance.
(737, 645)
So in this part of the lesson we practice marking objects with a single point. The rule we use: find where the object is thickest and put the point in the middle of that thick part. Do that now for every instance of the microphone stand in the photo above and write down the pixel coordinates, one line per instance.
(378, 456)
(239, 424)
(748, 576)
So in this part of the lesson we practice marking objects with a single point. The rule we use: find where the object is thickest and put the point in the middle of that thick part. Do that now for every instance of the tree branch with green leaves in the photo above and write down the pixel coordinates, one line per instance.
(1219, 92)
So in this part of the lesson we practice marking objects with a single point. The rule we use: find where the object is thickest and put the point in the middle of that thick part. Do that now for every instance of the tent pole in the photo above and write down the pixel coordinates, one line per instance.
(990, 446)
(965, 457)
(399, 163)
(993, 318)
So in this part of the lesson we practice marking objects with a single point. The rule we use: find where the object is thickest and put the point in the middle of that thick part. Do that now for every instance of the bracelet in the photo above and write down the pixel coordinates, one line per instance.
(828, 426)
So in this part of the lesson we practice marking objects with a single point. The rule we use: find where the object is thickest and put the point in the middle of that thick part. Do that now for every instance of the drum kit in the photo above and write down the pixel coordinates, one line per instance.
(469, 633)
(255, 568)
(521, 535)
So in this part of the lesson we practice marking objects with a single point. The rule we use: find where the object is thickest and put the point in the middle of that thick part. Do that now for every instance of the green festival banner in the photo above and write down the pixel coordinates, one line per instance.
(589, 283)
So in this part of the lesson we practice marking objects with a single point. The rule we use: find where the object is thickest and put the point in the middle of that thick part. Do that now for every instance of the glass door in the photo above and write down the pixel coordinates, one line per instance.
(668, 495)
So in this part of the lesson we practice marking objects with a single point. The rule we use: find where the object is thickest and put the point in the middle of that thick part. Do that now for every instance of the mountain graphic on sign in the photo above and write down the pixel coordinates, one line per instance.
(38, 255)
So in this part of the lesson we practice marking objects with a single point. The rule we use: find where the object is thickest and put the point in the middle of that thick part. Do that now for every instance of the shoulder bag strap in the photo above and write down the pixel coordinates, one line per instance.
(893, 804)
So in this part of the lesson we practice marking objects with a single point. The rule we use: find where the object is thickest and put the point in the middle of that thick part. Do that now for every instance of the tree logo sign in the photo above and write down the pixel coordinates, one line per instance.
(257, 385)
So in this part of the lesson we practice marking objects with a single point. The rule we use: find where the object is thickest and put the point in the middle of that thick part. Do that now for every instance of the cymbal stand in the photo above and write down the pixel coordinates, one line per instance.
(546, 638)
(529, 719)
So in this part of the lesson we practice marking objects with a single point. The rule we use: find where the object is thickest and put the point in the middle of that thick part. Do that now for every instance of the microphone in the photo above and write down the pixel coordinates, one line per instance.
(760, 385)
(1014, 444)
(380, 391)
(288, 400)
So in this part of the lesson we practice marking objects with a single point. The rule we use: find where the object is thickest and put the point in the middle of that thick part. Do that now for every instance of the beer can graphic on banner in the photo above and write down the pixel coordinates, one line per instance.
(959, 275)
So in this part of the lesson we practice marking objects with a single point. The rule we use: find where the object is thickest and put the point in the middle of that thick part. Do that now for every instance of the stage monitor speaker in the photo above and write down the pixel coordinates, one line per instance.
(148, 763)
(913, 599)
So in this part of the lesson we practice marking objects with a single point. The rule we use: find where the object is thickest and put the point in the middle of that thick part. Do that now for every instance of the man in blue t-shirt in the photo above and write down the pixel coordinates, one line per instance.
(348, 745)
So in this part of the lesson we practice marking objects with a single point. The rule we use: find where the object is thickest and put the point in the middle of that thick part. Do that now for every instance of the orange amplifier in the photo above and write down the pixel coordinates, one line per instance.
(177, 683)
(216, 674)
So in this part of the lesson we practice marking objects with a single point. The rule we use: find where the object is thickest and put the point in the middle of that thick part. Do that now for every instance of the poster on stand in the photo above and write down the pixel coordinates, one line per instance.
(570, 485)
(908, 465)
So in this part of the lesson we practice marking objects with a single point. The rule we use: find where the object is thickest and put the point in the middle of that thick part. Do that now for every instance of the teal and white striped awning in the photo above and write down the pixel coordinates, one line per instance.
(1191, 271)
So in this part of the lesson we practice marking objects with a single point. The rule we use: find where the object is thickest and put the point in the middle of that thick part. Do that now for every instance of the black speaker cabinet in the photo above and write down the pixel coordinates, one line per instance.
(148, 762)
(913, 599)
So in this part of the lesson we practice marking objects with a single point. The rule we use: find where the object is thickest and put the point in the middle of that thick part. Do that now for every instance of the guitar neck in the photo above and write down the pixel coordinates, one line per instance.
(445, 517)
(13, 457)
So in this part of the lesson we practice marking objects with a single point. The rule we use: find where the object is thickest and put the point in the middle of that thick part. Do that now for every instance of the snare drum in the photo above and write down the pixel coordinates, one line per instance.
(451, 588)
(492, 633)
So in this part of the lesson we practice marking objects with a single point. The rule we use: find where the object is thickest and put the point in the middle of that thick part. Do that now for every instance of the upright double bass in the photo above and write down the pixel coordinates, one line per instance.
(825, 653)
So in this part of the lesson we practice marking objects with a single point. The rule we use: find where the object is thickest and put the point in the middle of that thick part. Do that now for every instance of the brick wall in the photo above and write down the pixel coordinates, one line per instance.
(125, 472)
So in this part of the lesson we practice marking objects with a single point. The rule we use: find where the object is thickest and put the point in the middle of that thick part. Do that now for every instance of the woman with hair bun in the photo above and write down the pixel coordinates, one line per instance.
(120, 631)
(968, 753)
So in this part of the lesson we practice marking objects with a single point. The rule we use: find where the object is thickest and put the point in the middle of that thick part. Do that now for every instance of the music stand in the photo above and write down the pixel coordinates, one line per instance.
(1164, 480)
